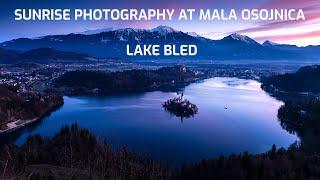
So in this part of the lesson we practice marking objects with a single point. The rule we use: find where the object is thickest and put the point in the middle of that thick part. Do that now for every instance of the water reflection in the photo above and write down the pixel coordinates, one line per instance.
(234, 115)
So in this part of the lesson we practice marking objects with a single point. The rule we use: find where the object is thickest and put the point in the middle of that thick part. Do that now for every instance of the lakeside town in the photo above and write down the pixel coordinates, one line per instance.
(37, 77)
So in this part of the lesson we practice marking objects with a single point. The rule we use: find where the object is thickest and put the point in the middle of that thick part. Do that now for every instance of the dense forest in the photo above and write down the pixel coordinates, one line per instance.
(302, 117)
(87, 82)
(275, 164)
(75, 153)
(299, 115)
(306, 79)
(25, 106)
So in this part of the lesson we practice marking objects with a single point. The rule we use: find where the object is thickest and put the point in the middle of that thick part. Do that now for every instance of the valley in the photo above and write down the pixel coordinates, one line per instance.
(69, 104)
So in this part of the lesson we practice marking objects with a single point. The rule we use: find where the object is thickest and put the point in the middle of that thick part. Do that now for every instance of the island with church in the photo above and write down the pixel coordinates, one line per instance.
(180, 107)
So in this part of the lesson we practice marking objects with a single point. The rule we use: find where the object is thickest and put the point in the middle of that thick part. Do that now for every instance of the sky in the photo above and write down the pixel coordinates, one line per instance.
(301, 33)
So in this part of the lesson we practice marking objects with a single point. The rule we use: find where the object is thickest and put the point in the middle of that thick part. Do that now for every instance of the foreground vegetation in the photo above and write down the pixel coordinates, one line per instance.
(275, 164)
(74, 153)
(99, 82)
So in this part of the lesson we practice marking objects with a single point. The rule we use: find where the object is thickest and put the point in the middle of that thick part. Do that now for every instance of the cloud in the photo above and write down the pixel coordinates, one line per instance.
(281, 31)
(291, 37)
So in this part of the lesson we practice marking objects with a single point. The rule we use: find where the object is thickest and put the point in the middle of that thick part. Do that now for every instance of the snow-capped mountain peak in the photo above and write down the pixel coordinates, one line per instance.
(239, 37)
(163, 30)
(269, 43)
(126, 30)
(194, 34)
(97, 31)
(242, 38)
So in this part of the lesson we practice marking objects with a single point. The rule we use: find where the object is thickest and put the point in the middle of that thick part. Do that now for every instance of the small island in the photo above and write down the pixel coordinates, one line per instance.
(180, 107)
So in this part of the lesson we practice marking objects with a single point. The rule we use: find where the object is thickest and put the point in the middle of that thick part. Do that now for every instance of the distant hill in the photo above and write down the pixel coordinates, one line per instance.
(7, 54)
(42, 56)
(92, 82)
(306, 79)
(112, 43)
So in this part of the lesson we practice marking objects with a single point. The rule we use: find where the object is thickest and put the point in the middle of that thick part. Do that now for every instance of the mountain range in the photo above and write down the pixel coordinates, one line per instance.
(112, 43)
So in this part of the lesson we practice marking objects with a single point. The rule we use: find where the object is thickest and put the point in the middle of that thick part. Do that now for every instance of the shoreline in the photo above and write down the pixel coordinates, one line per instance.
(13, 126)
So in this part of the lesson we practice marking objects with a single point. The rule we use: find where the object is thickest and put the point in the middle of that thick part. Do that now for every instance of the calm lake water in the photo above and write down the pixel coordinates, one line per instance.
(139, 122)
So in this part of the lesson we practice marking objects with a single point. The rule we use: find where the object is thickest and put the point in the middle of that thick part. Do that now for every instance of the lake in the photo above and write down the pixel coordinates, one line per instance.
(235, 115)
